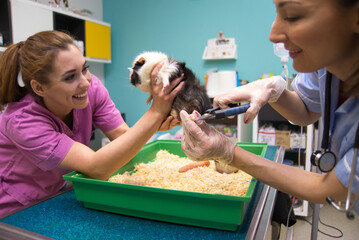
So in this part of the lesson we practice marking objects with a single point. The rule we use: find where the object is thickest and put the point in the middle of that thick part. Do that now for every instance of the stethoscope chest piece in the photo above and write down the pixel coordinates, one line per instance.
(324, 160)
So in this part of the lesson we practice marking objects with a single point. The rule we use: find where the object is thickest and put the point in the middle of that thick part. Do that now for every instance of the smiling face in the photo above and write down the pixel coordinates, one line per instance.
(69, 83)
(317, 33)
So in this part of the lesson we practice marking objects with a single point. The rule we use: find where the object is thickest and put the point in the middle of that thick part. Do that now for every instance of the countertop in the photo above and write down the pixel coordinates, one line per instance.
(63, 217)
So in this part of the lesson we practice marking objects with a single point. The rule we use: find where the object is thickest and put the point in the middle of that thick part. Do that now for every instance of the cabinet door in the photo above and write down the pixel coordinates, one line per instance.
(28, 19)
(97, 40)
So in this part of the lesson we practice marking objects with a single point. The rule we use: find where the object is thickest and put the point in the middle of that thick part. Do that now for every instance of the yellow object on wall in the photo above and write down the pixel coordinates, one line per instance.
(98, 40)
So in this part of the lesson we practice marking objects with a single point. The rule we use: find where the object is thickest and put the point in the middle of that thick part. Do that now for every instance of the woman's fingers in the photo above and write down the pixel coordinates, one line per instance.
(169, 123)
(175, 86)
(156, 70)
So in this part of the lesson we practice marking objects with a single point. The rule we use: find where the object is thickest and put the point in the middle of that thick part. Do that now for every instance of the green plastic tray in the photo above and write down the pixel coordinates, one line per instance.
(191, 208)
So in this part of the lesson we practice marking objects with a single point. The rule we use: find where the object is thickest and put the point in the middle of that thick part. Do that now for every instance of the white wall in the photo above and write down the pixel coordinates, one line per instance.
(95, 6)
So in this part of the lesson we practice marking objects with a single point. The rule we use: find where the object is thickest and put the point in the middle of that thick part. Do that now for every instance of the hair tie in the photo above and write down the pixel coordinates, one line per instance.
(20, 81)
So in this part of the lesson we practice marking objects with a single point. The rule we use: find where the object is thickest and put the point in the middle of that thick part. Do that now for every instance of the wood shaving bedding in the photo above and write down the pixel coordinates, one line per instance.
(163, 173)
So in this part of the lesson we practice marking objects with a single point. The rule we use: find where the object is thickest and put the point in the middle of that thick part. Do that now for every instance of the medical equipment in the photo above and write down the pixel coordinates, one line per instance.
(222, 113)
(220, 48)
(283, 54)
(326, 159)
(350, 206)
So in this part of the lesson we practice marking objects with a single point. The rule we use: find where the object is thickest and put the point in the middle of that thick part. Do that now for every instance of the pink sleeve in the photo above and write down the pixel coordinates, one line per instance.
(42, 144)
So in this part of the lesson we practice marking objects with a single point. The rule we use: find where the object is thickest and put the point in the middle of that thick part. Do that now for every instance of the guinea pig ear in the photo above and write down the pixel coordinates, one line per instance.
(182, 64)
(141, 60)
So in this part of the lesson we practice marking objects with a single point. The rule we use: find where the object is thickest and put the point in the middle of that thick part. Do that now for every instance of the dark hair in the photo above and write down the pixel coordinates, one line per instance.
(34, 58)
(347, 3)
(350, 85)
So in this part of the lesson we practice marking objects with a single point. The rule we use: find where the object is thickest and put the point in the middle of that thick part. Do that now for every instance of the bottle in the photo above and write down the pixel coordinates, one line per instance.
(281, 52)
(66, 4)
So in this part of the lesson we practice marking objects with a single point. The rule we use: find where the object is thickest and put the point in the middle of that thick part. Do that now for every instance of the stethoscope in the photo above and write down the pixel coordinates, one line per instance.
(325, 160)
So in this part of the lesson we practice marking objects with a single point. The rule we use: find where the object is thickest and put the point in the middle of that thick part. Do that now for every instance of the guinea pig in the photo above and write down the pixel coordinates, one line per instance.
(192, 97)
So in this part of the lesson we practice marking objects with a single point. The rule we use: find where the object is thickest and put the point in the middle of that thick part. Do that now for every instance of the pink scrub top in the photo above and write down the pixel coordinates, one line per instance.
(33, 142)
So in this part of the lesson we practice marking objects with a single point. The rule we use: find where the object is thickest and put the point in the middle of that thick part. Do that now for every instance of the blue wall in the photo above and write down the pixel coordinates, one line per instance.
(181, 28)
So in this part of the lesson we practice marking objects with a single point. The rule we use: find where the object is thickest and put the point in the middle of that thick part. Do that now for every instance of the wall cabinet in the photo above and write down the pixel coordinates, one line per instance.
(97, 38)
(28, 18)
(302, 156)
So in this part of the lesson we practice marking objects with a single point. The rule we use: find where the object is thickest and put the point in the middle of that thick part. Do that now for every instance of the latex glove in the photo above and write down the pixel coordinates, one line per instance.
(257, 93)
(201, 141)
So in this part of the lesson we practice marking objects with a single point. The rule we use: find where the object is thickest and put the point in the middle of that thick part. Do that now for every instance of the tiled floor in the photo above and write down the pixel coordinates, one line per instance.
(329, 216)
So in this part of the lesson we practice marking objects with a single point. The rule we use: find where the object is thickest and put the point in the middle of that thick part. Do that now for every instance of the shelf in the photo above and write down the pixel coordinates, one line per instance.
(268, 115)
(293, 156)
(295, 150)
(222, 58)
(71, 25)
(29, 17)
(98, 60)
(62, 11)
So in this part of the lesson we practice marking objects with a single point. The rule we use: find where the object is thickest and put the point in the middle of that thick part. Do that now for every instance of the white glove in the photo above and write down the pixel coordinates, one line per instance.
(201, 141)
(258, 93)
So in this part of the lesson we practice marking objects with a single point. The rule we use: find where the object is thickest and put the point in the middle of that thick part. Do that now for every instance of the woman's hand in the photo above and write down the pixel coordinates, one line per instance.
(163, 98)
(258, 93)
(201, 141)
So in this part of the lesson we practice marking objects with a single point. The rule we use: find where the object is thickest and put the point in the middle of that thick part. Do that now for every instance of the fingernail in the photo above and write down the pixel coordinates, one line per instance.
(246, 120)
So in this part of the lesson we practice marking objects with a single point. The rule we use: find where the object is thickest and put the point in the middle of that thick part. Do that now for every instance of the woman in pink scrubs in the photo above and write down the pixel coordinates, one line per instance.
(52, 105)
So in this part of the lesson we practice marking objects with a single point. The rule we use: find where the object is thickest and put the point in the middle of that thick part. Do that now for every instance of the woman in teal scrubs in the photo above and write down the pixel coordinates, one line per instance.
(322, 37)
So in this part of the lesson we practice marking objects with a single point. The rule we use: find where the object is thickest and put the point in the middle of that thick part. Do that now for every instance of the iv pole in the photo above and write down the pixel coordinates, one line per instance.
(315, 220)
(316, 207)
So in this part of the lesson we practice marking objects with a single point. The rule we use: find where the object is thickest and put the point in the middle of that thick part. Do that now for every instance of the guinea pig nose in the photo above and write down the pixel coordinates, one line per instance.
(131, 71)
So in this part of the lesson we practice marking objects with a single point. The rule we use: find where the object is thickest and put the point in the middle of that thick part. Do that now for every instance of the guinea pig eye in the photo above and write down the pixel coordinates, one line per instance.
(139, 64)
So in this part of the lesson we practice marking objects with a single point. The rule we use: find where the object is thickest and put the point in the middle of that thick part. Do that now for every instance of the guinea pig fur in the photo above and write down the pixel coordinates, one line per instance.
(192, 97)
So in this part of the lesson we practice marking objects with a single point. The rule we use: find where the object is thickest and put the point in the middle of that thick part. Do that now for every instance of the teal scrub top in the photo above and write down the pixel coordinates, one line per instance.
(343, 120)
